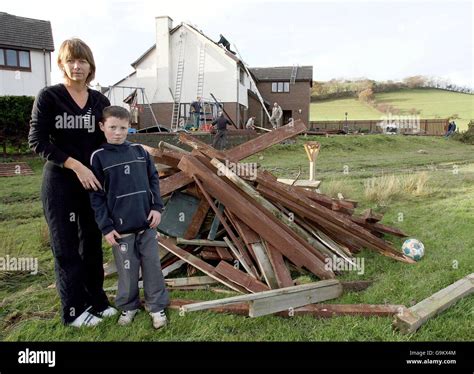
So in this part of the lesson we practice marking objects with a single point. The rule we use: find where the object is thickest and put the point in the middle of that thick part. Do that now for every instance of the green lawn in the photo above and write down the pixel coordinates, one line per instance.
(431, 103)
(441, 218)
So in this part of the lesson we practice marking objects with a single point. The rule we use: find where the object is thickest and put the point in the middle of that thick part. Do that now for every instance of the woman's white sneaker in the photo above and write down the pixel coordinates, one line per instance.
(159, 319)
(86, 319)
(127, 317)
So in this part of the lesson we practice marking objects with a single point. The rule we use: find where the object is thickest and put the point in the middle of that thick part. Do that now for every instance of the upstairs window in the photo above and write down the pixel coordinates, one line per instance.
(280, 87)
(14, 59)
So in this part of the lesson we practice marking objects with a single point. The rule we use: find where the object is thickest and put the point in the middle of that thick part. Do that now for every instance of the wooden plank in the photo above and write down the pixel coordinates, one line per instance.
(197, 220)
(209, 255)
(240, 252)
(408, 321)
(269, 228)
(282, 274)
(172, 267)
(174, 182)
(200, 265)
(324, 216)
(204, 242)
(254, 242)
(248, 266)
(241, 278)
(315, 310)
(215, 223)
(262, 307)
(266, 140)
(190, 281)
(264, 203)
(202, 147)
(224, 254)
(329, 283)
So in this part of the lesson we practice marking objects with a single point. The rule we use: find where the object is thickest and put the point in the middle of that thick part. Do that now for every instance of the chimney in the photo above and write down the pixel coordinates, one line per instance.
(163, 26)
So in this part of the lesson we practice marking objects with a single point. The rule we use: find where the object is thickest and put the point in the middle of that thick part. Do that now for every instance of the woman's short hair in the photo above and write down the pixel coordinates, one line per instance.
(76, 49)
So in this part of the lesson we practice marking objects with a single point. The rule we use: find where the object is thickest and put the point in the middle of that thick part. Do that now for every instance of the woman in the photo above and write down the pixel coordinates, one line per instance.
(65, 131)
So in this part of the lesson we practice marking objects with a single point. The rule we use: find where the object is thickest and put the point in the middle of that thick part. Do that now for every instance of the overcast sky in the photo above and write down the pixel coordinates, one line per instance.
(341, 39)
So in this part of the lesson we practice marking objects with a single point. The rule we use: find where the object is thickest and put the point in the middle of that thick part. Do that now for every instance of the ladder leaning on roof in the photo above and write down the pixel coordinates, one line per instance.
(202, 60)
(294, 71)
(179, 83)
(253, 82)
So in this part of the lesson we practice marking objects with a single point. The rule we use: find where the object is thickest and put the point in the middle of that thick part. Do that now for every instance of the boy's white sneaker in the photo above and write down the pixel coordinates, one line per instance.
(159, 319)
(109, 312)
(86, 319)
(127, 317)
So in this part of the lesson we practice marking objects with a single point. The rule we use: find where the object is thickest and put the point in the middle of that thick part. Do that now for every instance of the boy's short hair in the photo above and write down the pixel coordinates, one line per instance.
(115, 111)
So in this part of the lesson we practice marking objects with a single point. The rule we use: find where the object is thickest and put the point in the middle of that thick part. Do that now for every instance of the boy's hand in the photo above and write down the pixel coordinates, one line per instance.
(155, 218)
(110, 237)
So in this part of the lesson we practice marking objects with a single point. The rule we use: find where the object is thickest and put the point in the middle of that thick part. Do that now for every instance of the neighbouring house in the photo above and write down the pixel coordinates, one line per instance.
(289, 86)
(185, 64)
(25, 55)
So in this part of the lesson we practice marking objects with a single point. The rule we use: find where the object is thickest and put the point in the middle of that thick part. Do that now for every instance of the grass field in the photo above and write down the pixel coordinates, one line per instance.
(431, 103)
(441, 217)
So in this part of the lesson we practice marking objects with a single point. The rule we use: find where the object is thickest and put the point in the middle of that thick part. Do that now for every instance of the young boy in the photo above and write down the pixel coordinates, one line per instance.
(127, 211)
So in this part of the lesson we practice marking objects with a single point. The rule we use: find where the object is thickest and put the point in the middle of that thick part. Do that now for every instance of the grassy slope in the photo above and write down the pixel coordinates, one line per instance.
(431, 102)
(442, 220)
(335, 109)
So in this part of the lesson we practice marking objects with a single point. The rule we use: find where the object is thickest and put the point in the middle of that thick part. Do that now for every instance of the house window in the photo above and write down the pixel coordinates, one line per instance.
(280, 87)
(14, 59)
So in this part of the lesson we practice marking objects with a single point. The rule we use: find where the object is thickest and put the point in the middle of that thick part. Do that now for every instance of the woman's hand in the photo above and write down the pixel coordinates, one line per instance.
(110, 237)
(84, 174)
(155, 218)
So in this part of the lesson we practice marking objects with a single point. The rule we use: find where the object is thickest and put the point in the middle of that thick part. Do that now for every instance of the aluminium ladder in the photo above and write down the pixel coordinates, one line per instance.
(179, 84)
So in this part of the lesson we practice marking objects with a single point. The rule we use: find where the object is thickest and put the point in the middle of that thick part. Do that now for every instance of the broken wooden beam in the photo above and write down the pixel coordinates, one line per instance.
(266, 140)
(411, 319)
(203, 242)
(315, 310)
(198, 219)
(240, 278)
(273, 301)
(190, 281)
(199, 264)
(270, 228)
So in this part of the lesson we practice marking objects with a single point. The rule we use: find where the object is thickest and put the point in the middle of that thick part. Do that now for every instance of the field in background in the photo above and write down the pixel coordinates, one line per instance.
(431, 103)
(441, 217)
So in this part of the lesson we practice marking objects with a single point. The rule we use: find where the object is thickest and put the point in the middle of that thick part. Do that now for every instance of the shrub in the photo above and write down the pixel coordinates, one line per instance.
(15, 114)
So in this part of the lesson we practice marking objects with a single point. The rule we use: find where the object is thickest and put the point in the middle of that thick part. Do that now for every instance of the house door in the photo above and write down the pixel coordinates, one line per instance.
(287, 114)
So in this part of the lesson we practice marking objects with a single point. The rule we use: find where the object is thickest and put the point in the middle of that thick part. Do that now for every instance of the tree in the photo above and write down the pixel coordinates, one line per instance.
(366, 95)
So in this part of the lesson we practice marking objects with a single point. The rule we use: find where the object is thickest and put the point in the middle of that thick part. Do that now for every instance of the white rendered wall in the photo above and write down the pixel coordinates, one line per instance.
(18, 83)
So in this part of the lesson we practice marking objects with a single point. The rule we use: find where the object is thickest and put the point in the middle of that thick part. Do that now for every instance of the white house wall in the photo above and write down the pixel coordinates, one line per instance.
(18, 83)
(219, 71)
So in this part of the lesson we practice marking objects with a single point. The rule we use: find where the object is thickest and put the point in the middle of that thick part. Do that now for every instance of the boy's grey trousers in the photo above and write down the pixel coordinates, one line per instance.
(133, 251)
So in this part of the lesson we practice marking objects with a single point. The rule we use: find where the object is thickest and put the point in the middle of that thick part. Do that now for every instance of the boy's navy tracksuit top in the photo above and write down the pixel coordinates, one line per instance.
(130, 188)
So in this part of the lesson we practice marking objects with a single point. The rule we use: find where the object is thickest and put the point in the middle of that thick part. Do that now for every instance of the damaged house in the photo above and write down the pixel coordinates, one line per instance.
(185, 64)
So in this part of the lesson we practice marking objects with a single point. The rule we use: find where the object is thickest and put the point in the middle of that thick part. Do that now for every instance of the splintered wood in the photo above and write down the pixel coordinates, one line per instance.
(249, 232)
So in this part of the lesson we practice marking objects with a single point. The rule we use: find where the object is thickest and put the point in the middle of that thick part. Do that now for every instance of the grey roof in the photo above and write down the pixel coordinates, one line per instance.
(282, 73)
(24, 32)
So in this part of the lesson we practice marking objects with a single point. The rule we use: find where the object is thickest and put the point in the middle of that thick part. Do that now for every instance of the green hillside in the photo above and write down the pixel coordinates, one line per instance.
(431, 103)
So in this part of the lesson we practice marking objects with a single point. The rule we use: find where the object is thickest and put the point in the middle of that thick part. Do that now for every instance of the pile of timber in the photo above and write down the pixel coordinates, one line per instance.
(261, 229)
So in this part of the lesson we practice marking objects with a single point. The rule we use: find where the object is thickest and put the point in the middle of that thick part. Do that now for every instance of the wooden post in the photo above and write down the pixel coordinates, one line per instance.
(410, 320)
(312, 151)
